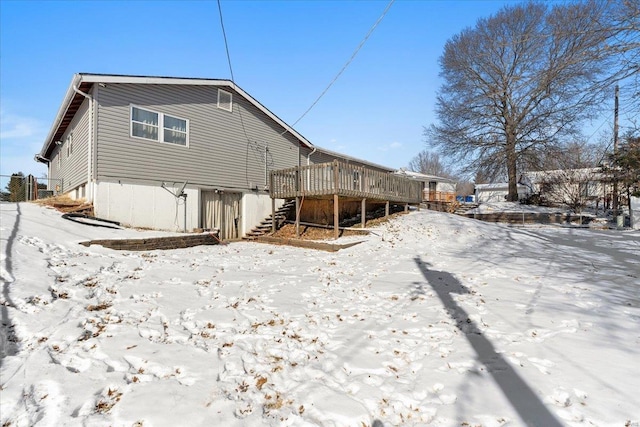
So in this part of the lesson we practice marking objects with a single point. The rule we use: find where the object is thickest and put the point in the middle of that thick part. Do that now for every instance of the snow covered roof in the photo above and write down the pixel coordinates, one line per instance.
(423, 177)
(537, 176)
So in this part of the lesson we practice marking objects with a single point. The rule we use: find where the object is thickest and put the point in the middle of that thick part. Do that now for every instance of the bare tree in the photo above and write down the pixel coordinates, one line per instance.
(568, 175)
(465, 188)
(573, 188)
(572, 155)
(523, 80)
(429, 163)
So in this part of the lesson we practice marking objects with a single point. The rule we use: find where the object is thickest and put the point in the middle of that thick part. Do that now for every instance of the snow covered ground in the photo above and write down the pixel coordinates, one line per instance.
(491, 207)
(433, 320)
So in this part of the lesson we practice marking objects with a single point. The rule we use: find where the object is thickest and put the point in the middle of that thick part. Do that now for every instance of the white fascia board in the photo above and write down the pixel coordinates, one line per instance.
(106, 79)
(75, 81)
(270, 114)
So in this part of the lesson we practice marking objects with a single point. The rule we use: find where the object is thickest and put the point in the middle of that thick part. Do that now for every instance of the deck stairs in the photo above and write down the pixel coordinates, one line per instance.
(265, 225)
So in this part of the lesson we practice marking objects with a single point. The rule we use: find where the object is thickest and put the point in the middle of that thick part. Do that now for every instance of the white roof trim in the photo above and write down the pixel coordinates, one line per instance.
(422, 176)
(107, 79)
(61, 112)
(104, 78)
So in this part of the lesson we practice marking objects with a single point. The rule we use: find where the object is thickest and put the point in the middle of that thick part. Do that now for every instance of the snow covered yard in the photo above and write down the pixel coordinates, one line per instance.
(434, 320)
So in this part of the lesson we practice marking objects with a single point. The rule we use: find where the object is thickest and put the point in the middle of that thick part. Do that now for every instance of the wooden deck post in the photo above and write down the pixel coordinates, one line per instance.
(363, 212)
(386, 209)
(336, 205)
(336, 217)
(273, 215)
(297, 216)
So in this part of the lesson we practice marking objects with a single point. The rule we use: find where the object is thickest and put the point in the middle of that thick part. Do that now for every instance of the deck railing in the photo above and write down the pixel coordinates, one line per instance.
(345, 180)
(438, 196)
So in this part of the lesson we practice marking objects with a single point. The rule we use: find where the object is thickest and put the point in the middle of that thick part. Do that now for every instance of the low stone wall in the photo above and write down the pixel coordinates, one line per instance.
(153, 243)
(530, 218)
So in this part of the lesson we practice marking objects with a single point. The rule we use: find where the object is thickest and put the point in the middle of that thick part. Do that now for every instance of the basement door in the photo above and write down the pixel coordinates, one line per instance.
(221, 210)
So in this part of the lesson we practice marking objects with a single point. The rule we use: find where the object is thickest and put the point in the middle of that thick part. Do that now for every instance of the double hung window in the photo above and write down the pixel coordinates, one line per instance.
(159, 127)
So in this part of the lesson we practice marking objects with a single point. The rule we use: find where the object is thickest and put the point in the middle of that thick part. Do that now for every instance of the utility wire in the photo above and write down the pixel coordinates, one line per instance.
(226, 45)
(233, 81)
(344, 67)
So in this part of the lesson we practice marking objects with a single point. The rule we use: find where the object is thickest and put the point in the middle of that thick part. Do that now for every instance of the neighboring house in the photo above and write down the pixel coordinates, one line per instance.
(634, 203)
(487, 193)
(571, 187)
(175, 153)
(172, 153)
(434, 188)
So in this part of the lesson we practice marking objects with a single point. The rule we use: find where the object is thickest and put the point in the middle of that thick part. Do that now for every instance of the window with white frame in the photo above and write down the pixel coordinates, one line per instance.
(159, 127)
(69, 144)
(225, 100)
(175, 130)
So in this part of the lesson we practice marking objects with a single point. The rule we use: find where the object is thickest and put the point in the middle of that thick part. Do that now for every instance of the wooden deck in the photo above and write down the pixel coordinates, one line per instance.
(344, 180)
(340, 180)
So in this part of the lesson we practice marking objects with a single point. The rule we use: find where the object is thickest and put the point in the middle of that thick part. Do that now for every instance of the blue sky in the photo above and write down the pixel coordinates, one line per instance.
(283, 53)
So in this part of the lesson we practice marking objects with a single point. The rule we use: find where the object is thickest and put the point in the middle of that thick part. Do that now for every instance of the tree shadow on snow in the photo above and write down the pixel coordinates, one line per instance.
(524, 401)
(7, 339)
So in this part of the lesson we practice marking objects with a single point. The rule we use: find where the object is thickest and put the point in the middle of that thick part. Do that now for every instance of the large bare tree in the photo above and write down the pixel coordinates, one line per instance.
(429, 163)
(526, 79)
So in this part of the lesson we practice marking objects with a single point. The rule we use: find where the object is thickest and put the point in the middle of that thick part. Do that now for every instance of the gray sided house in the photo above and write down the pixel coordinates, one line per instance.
(175, 154)
(132, 145)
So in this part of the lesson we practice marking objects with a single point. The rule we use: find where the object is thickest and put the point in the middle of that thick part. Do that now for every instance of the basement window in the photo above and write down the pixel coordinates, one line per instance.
(225, 100)
(147, 124)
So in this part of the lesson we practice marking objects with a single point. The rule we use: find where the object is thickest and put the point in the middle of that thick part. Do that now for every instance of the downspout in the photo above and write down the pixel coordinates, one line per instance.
(309, 155)
(40, 159)
(308, 164)
(90, 189)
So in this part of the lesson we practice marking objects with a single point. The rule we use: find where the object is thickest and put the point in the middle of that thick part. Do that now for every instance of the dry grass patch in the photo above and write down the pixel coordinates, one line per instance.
(66, 204)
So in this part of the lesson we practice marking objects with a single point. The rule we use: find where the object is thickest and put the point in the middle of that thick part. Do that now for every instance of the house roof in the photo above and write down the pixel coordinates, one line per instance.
(564, 174)
(424, 177)
(495, 186)
(354, 159)
(83, 82)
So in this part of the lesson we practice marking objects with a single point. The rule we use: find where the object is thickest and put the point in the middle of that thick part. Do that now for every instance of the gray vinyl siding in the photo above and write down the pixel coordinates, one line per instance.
(316, 158)
(73, 168)
(225, 149)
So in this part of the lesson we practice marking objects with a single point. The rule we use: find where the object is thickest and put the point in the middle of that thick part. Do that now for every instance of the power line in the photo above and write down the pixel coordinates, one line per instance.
(233, 82)
(344, 67)
(226, 45)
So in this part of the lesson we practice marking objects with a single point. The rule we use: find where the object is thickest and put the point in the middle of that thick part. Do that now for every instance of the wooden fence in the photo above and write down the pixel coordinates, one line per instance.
(345, 180)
